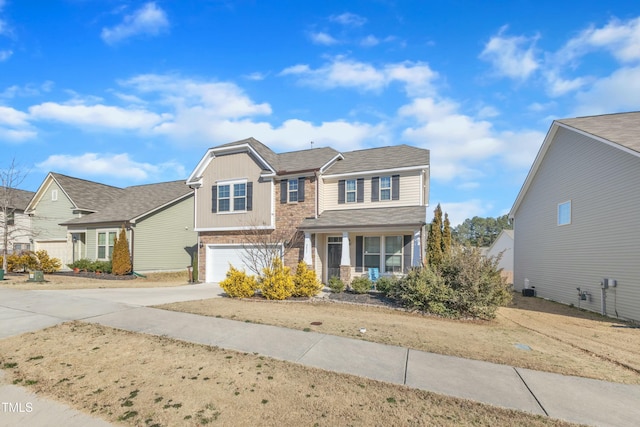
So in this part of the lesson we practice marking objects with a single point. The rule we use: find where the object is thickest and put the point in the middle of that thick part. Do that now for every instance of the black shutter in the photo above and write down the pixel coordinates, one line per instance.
(283, 191)
(359, 250)
(407, 252)
(249, 196)
(214, 199)
(375, 188)
(360, 190)
(341, 191)
(395, 187)
(301, 189)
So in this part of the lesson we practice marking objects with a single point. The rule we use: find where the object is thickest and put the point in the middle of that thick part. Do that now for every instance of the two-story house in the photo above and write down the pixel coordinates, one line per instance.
(342, 213)
(14, 220)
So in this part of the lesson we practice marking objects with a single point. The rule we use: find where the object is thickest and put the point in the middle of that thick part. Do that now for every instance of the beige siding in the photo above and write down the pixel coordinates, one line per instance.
(410, 193)
(164, 240)
(602, 240)
(230, 167)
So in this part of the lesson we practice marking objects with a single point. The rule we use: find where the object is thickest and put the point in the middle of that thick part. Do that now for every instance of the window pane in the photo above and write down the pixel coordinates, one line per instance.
(293, 185)
(239, 204)
(223, 205)
(385, 182)
(223, 191)
(372, 245)
(385, 194)
(351, 197)
(239, 190)
(112, 238)
(293, 196)
(372, 261)
(102, 238)
(564, 213)
(101, 252)
(393, 263)
(393, 245)
(351, 185)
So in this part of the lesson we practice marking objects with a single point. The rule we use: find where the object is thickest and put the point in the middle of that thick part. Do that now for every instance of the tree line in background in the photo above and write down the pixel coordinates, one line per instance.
(480, 232)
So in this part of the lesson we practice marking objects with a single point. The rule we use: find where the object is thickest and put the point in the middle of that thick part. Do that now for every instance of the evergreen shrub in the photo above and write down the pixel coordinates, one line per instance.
(361, 285)
(276, 281)
(238, 284)
(306, 283)
(336, 285)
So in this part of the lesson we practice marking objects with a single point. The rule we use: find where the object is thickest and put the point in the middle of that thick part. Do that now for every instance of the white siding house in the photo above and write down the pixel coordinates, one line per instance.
(503, 247)
(576, 218)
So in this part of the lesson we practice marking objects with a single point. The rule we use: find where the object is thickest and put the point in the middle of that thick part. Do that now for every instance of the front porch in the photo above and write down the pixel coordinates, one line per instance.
(390, 240)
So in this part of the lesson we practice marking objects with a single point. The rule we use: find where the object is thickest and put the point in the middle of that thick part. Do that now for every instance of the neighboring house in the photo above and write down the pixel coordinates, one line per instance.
(19, 234)
(76, 219)
(503, 247)
(344, 212)
(576, 216)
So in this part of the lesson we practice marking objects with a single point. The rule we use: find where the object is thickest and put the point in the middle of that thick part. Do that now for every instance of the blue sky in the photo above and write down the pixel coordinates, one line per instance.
(133, 92)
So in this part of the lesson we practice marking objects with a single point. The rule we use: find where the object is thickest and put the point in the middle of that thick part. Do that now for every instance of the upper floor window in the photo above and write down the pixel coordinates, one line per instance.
(232, 197)
(11, 218)
(564, 213)
(351, 190)
(54, 195)
(293, 190)
(385, 188)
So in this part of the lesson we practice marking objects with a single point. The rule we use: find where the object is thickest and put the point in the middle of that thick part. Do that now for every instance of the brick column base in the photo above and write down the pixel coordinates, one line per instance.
(345, 274)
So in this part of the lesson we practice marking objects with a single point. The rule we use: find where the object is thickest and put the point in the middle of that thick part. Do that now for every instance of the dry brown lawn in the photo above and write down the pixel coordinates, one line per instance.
(140, 380)
(59, 281)
(562, 339)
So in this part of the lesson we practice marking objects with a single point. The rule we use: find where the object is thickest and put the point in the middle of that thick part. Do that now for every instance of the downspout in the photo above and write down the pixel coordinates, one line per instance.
(130, 228)
(317, 194)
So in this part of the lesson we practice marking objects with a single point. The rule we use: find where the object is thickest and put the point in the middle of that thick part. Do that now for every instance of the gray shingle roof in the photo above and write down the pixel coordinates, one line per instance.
(381, 158)
(305, 160)
(87, 195)
(359, 218)
(135, 202)
(15, 198)
(621, 128)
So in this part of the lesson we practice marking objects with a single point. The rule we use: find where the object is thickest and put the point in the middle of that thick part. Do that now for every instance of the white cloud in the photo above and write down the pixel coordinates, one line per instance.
(16, 135)
(12, 117)
(342, 72)
(323, 38)
(104, 116)
(370, 41)
(149, 20)
(615, 93)
(101, 165)
(5, 54)
(14, 125)
(459, 211)
(511, 56)
(348, 19)
(620, 38)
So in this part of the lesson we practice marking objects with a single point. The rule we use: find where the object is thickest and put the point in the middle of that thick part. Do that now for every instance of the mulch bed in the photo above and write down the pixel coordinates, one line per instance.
(371, 298)
(94, 275)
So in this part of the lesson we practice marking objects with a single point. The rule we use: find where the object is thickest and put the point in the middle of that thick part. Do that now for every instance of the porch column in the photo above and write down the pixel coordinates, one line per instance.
(346, 257)
(417, 250)
(307, 249)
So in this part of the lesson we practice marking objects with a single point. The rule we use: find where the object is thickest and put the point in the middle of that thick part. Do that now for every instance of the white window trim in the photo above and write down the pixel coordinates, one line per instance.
(354, 191)
(380, 188)
(290, 191)
(106, 231)
(383, 253)
(54, 195)
(567, 203)
(231, 196)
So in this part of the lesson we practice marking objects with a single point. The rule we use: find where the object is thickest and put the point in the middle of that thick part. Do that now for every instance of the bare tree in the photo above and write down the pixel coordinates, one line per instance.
(12, 199)
(261, 246)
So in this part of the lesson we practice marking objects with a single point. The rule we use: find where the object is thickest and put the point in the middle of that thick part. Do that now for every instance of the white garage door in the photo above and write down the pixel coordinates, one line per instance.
(55, 250)
(220, 256)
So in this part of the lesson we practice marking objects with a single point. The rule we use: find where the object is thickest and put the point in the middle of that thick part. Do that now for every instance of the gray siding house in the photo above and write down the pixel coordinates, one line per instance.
(13, 204)
(577, 239)
(80, 219)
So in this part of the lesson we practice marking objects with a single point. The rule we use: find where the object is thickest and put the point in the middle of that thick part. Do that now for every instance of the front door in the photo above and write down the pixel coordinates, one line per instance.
(334, 255)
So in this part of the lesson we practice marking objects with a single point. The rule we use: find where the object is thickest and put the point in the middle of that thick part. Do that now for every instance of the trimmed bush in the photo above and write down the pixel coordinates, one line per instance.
(336, 285)
(81, 264)
(384, 284)
(306, 283)
(238, 284)
(276, 281)
(361, 285)
(46, 263)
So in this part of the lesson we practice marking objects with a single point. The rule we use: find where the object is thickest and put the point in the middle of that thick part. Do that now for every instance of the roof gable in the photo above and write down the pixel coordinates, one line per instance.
(382, 158)
(621, 131)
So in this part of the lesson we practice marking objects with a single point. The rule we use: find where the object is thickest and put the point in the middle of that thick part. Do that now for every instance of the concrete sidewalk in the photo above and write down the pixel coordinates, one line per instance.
(573, 399)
